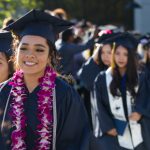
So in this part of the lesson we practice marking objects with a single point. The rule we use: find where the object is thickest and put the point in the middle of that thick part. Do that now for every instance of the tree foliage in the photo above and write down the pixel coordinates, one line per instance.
(98, 11)
(15, 8)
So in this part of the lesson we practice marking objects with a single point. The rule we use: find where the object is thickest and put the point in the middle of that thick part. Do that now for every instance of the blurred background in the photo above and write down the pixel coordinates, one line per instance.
(129, 14)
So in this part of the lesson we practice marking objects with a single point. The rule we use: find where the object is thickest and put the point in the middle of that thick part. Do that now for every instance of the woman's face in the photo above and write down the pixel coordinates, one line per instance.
(32, 55)
(4, 68)
(121, 57)
(106, 54)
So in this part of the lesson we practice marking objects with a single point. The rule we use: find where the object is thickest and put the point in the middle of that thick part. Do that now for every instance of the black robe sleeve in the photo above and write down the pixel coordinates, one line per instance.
(73, 130)
(105, 116)
(143, 105)
(143, 95)
(88, 73)
(4, 137)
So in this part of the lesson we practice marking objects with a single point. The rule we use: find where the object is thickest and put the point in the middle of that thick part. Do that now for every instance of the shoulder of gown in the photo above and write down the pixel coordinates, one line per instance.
(86, 78)
(143, 95)
(101, 97)
(73, 129)
(4, 90)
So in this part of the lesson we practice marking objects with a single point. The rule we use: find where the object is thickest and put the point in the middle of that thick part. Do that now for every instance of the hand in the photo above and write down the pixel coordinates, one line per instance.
(135, 116)
(95, 55)
(112, 132)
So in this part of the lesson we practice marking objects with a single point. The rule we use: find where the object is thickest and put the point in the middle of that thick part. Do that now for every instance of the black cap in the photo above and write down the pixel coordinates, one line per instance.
(5, 42)
(104, 35)
(126, 40)
(40, 23)
(103, 39)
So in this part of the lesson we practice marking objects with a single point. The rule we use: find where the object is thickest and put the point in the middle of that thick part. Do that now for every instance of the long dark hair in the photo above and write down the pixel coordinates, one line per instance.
(131, 73)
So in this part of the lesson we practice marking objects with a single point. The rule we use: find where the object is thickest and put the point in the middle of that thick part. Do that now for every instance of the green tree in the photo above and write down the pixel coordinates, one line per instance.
(16, 8)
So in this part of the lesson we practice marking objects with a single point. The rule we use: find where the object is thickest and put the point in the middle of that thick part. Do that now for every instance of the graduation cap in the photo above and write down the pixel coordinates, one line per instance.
(126, 40)
(103, 39)
(5, 42)
(40, 23)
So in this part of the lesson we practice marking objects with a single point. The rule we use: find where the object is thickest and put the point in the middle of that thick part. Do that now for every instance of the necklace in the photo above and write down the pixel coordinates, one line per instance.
(44, 113)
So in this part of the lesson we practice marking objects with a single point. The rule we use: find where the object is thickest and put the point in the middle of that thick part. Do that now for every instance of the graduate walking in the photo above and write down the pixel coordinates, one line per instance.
(120, 125)
(38, 109)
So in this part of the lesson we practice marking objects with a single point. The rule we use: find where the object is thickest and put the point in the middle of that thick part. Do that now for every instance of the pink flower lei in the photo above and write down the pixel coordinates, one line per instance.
(44, 114)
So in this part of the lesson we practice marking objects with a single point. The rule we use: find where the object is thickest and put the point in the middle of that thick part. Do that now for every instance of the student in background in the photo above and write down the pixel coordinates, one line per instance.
(119, 119)
(99, 61)
(6, 65)
(143, 97)
(68, 49)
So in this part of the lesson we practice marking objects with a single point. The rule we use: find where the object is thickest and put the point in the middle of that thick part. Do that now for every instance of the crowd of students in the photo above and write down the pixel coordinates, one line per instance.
(40, 106)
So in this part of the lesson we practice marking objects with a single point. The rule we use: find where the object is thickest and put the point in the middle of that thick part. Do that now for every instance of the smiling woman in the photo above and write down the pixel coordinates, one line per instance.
(39, 106)
(33, 55)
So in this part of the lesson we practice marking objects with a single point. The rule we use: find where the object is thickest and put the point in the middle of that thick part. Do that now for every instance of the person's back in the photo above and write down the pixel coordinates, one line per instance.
(67, 50)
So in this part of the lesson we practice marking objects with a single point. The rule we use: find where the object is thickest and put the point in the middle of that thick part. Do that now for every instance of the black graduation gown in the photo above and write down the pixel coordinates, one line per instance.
(143, 97)
(88, 73)
(73, 130)
(106, 122)
(143, 102)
